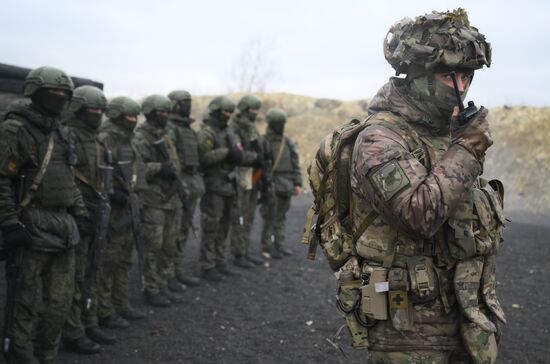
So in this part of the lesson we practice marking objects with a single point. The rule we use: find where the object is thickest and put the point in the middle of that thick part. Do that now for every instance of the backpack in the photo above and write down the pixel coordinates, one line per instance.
(330, 181)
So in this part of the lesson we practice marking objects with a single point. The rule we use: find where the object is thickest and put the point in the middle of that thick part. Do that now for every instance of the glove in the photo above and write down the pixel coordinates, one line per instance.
(167, 172)
(85, 226)
(16, 236)
(119, 198)
(475, 135)
(235, 156)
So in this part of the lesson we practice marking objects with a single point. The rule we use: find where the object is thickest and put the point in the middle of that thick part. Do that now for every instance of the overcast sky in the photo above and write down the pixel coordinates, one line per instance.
(318, 48)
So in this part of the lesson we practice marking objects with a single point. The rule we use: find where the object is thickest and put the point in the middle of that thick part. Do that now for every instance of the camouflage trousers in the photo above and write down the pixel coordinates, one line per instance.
(183, 236)
(216, 216)
(112, 295)
(80, 316)
(245, 208)
(273, 214)
(54, 273)
(160, 229)
(418, 357)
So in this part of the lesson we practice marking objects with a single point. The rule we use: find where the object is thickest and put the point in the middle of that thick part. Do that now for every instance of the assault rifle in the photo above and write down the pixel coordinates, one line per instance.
(102, 227)
(465, 114)
(135, 214)
(178, 184)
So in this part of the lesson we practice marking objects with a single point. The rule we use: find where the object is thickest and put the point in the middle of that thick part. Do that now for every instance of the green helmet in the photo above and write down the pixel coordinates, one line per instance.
(223, 103)
(47, 77)
(439, 40)
(122, 105)
(276, 115)
(179, 95)
(249, 102)
(156, 103)
(87, 96)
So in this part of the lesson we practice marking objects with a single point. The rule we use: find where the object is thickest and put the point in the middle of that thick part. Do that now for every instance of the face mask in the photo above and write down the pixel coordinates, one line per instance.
(184, 108)
(124, 123)
(52, 103)
(92, 119)
(157, 119)
(278, 128)
(439, 106)
(251, 115)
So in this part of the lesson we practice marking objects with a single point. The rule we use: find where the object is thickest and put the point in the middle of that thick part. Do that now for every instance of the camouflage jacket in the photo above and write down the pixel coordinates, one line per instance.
(287, 173)
(249, 138)
(160, 192)
(432, 213)
(24, 137)
(213, 150)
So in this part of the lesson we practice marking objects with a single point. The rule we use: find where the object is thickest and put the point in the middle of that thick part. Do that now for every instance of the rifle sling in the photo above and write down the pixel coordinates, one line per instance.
(279, 155)
(40, 174)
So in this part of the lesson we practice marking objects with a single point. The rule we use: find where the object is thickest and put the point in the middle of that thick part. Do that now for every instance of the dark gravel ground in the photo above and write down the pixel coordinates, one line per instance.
(284, 312)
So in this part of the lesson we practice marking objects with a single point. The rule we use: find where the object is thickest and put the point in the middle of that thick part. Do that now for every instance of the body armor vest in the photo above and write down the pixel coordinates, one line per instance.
(187, 145)
(89, 154)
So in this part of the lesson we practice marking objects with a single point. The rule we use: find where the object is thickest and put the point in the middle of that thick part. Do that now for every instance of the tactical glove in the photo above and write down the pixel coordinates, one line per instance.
(475, 135)
(16, 235)
(167, 172)
(85, 226)
(235, 155)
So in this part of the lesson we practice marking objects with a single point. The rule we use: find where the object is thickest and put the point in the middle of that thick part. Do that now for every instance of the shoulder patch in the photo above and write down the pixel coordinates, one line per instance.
(390, 179)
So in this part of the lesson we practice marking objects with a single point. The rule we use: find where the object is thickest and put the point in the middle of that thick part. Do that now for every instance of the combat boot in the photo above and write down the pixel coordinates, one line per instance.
(254, 260)
(172, 296)
(175, 286)
(271, 253)
(212, 275)
(83, 345)
(132, 314)
(100, 336)
(114, 321)
(157, 300)
(242, 262)
(188, 280)
(284, 251)
(222, 269)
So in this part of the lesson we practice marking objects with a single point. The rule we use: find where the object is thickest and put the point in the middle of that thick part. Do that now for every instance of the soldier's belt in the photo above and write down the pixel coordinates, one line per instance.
(425, 248)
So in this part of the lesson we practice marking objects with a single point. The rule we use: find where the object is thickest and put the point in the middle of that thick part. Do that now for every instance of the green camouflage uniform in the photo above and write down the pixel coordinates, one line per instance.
(117, 257)
(161, 211)
(285, 176)
(90, 154)
(417, 270)
(249, 138)
(186, 143)
(216, 204)
(46, 262)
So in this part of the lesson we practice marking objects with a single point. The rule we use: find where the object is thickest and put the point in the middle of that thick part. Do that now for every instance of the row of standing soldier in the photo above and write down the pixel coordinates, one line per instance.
(70, 213)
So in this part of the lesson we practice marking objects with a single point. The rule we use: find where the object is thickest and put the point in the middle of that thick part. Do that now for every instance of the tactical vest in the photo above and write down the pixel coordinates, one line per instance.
(285, 165)
(89, 156)
(57, 187)
(400, 293)
(187, 145)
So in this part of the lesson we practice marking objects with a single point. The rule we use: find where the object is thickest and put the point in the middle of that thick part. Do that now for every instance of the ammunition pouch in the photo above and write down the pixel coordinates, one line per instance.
(335, 242)
(423, 278)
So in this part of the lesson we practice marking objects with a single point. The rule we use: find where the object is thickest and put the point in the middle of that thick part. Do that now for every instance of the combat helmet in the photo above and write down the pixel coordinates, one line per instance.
(156, 103)
(439, 40)
(276, 115)
(249, 102)
(120, 106)
(87, 97)
(221, 103)
(179, 95)
(47, 77)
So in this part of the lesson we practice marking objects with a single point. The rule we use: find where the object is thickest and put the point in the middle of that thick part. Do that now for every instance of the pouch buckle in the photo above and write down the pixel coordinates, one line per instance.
(422, 279)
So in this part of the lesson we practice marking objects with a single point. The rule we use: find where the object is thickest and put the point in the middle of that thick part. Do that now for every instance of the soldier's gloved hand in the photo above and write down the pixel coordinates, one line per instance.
(475, 135)
(167, 172)
(235, 155)
(16, 235)
(119, 197)
(85, 226)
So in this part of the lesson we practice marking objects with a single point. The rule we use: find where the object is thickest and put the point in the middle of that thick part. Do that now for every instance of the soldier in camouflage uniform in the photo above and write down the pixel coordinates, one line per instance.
(425, 225)
(36, 161)
(114, 309)
(186, 142)
(244, 207)
(87, 106)
(286, 180)
(219, 155)
(162, 207)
